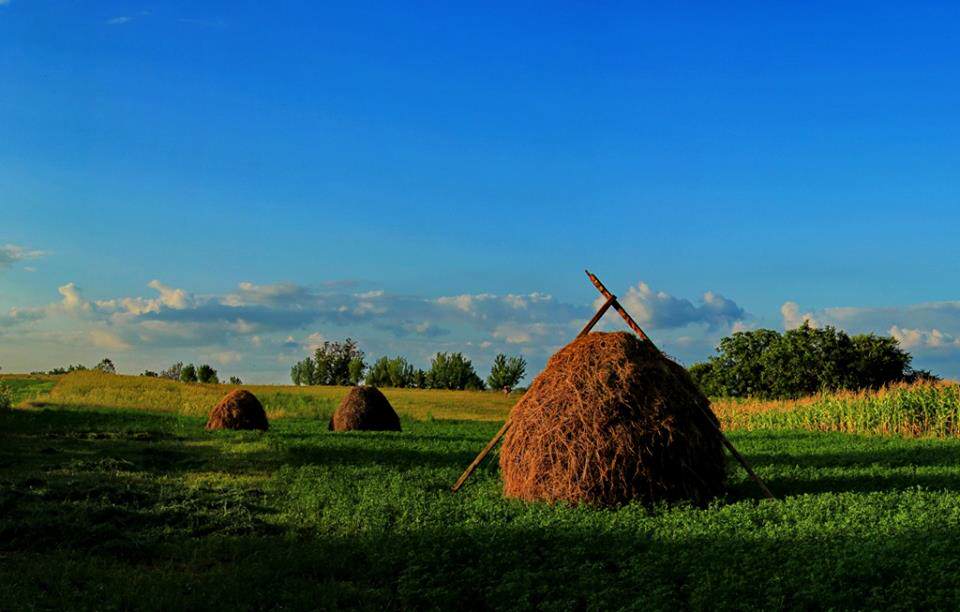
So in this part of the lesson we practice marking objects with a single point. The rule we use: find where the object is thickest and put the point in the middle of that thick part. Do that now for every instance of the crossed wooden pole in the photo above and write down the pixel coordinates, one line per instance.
(611, 302)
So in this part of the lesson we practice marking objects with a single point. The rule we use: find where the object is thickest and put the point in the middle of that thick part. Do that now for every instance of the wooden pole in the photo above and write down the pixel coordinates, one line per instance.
(616, 306)
(599, 315)
(710, 418)
(479, 458)
(611, 301)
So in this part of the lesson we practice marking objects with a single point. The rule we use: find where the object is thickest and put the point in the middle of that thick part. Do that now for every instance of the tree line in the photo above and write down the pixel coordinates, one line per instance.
(768, 364)
(204, 373)
(343, 363)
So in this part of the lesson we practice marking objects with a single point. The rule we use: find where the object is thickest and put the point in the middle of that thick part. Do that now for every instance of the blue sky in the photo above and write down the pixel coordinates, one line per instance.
(232, 182)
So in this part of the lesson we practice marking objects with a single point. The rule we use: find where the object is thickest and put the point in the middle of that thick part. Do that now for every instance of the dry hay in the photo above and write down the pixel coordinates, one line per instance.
(365, 409)
(239, 409)
(608, 421)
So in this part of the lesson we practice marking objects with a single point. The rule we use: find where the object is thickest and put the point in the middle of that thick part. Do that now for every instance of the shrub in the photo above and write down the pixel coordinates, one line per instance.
(173, 372)
(235, 380)
(6, 398)
(73, 368)
(106, 366)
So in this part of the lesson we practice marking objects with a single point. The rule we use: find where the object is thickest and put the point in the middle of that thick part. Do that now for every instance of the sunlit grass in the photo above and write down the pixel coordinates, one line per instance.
(913, 410)
(94, 389)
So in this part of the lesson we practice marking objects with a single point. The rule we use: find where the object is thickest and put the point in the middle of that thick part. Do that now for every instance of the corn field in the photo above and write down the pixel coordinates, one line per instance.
(920, 409)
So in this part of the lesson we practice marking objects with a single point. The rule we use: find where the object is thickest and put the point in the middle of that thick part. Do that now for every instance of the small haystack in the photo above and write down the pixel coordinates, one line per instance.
(608, 421)
(239, 409)
(365, 409)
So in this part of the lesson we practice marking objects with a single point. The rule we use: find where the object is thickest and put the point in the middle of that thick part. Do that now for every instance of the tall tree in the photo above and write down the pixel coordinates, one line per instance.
(764, 363)
(506, 372)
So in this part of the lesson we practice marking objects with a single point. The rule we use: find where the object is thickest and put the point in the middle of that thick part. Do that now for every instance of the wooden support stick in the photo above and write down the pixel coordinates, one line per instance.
(710, 418)
(599, 315)
(616, 306)
(479, 458)
(611, 300)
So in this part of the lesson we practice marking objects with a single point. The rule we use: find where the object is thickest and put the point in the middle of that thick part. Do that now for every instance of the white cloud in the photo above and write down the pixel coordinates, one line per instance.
(72, 299)
(912, 339)
(228, 357)
(178, 299)
(106, 339)
(313, 341)
(255, 323)
(12, 253)
(660, 310)
(464, 303)
(792, 318)
(18, 316)
(119, 20)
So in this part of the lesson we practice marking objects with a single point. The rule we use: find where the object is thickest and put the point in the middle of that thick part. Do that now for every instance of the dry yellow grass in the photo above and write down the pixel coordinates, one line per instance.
(97, 390)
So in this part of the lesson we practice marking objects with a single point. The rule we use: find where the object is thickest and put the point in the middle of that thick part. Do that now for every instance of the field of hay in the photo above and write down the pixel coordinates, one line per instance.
(111, 391)
(112, 496)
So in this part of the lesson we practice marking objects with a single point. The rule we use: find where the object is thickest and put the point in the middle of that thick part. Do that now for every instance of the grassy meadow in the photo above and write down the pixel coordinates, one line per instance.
(112, 496)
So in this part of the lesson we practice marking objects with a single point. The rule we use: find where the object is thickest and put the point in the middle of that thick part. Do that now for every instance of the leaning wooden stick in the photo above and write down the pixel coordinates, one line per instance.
(620, 309)
(710, 417)
(611, 301)
(479, 458)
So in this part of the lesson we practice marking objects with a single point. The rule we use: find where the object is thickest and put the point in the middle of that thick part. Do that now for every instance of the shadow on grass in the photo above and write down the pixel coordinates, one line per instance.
(503, 567)
(100, 441)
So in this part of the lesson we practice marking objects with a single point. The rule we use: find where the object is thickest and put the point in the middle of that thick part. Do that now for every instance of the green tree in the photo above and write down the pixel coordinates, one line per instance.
(453, 371)
(337, 363)
(420, 379)
(764, 363)
(386, 372)
(506, 372)
(879, 360)
(235, 380)
(150, 374)
(355, 370)
(207, 374)
(188, 373)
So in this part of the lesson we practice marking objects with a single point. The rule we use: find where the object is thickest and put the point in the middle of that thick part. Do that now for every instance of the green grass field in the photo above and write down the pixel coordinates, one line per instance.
(122, 508)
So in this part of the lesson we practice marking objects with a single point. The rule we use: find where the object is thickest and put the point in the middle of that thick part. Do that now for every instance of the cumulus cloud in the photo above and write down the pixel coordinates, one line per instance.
(660, 310)
(281, 293)
(19, 316)
(927, 339)
(12, 253)
(72, 300)
(792, 317)
(929, 316)
(178, 299)
(267, 323)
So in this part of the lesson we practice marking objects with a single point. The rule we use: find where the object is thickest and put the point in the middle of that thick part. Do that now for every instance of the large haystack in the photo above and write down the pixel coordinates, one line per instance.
(365, 409)
(611, 420)
(239, 409)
